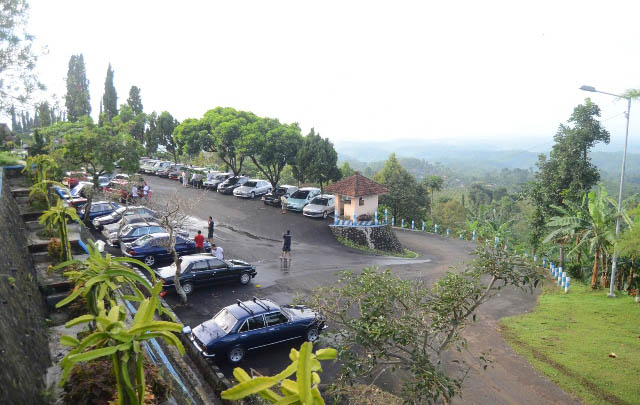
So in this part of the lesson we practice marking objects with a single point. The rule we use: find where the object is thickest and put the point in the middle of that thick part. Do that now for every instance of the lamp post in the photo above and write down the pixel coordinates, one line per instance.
(614, 264)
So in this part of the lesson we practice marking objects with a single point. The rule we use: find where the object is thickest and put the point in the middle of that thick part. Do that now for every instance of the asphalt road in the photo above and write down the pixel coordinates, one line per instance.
(252, 231)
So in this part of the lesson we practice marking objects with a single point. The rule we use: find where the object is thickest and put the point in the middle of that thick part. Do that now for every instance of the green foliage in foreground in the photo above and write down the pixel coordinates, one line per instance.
(569, 337)
(304, 391)
(7, 159)
(409, 254)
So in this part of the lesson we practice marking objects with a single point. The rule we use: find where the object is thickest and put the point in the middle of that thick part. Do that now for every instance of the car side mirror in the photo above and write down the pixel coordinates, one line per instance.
(186, 330)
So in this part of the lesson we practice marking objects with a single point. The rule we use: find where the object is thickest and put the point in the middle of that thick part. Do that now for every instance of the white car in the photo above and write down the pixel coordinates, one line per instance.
(320, 206)
(252, 188)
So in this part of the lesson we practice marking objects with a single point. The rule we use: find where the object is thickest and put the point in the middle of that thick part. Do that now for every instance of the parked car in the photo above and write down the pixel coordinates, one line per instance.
(160, 167)
(152, 248)
(175, 173)
(131, 232)
(204, 269)
(273, 198)
(252, 188)
(98, 209)
(121, 176)
(109, 229)
(79, 194)
(320, 206)
(216, 181)
(252, 325)
(148, 165)
(103, 181)
(165, 172)
(230, 184)
(298, 200)
(99, 222)
(71, 179)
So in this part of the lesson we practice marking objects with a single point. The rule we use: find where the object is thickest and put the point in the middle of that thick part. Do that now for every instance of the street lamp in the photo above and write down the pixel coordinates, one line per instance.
(614, 264)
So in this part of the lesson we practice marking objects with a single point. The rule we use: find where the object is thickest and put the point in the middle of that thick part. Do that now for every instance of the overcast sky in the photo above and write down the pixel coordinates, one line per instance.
(456, 70)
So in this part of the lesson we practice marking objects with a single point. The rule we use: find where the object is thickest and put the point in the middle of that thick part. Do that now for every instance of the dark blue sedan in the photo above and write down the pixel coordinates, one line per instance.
(99, 209)
(153, 248)
(252, 325)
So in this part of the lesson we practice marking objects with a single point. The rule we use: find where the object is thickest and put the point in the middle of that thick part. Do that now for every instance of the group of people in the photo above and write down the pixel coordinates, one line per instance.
(216, 251)
(196, 180)
(141, 190)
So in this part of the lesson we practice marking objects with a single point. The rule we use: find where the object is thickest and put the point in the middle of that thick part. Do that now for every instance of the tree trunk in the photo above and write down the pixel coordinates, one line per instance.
(594, 275)
(562, 257)
(605, 271)
(176, 278)
(619, 279)
(629, 288)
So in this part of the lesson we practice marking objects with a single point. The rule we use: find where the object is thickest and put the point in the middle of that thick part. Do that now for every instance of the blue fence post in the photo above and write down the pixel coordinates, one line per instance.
(402, 223)
(460, 236)
(436, 227)
(448, 232)
(335, 219)
(496, 241)
(386, 216)
(393, 221)
(535, 258)
(422, 226)
(355, 218)
(412, 225)
(566, 284)
(473, 236)
(376, 217)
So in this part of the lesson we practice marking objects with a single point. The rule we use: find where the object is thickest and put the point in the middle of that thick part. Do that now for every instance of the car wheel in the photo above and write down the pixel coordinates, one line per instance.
(245, 278)
(312, 335)
(149, 260)
(187, 288)
(253, 195)
(325, 214)
(235, 355)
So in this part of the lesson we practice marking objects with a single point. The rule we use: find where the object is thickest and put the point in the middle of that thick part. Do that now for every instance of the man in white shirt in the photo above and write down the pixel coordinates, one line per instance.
(217, 251)
(134, 191)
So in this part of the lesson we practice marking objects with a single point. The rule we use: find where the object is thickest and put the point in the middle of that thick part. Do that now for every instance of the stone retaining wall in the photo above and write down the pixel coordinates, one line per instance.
(24, 351)
(374, 237)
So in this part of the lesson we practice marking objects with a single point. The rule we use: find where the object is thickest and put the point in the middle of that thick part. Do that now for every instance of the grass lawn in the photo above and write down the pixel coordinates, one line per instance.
(568, 337)
(408, 254)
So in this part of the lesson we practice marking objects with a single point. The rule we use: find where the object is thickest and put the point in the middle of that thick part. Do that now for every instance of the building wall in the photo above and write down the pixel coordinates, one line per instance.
(370, 205)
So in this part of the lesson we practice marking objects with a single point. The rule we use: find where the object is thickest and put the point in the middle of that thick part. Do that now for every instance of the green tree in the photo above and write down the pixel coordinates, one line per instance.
(44, 114)
(346, 170)
(18, 79)
(151, 134)
(166, 124)
(406, 199)
(110, 97)
(190, 134)
(432, 184)
(56, 218)
(450, 215)
(629, 242)
(272, 145)
(77, 97)
(568, 172)
(317, 159)
(135, 101)
(385, 323)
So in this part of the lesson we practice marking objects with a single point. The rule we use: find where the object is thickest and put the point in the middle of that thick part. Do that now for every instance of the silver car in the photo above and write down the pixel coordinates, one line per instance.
(320, 206)
(253, 188)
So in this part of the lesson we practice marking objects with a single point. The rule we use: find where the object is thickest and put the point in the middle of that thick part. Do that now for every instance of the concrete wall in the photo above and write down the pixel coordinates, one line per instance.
(379, 238)
(24, 350)
(370, 205)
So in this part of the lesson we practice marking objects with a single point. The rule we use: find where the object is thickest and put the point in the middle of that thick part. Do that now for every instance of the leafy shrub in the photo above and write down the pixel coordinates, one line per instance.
(54, 248)
(574, 270)
(94, 382)
(38, 201)
(365, 217)
(7, 159)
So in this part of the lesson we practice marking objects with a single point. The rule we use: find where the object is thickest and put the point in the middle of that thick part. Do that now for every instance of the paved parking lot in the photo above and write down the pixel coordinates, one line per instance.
(252, 231)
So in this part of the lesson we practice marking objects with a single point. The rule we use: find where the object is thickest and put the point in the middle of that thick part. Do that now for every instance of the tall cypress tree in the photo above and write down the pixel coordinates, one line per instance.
(44, 115)
(110, 98)
(77, 97)
(134, 100)
(15, 125)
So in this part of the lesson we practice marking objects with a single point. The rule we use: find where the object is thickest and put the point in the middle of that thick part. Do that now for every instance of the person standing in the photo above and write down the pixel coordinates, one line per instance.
(211, 225)
(199, 239)
(217, 251)
(145, 190)
(134, 192)
(286, 246)
(185, 178)
(283, 202)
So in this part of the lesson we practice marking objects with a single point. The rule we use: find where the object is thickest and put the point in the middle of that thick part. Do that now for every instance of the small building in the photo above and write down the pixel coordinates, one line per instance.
(356, 195)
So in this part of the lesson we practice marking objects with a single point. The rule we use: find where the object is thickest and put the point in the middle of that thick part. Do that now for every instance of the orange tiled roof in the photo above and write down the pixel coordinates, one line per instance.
(356, 186)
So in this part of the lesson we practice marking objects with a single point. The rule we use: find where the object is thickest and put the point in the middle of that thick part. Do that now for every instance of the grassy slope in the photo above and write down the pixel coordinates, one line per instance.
(569, 337)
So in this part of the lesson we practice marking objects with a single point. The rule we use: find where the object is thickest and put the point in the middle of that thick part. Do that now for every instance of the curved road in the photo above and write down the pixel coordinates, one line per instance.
(252, 231)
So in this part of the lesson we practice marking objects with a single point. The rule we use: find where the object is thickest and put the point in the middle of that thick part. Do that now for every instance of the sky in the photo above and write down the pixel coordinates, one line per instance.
(501, 73)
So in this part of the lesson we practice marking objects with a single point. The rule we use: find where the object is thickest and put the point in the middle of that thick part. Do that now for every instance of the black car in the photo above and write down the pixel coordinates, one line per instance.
(100, 222)
(204, 269)
(131, 232)
(153, 248)
(253, 325)
(98, 209)
(230, 184)
(273, 198)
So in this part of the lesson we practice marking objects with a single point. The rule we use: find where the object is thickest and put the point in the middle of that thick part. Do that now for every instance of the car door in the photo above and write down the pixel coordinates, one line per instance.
(184, 246)
(200, 272)
(331, 205)
(278, 326)
(253, 333)
(221, 272)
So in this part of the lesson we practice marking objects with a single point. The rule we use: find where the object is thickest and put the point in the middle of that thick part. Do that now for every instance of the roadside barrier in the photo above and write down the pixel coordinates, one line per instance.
(559, 276)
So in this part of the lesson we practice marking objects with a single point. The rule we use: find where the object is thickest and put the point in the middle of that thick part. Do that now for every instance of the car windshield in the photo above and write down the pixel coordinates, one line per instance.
(232, 180)
(250, 184)
(300, 194)
(320, 201)
(225, 320)
(125, 229)
(143, 240)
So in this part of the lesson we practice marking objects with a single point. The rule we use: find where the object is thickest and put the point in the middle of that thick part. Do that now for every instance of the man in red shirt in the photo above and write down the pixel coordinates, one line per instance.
(199, 239)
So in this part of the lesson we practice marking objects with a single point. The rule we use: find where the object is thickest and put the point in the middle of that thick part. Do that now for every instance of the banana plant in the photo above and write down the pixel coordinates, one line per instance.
(39, 168)
(57, 218)
(98, 277)
(112, 338)
(304, 391)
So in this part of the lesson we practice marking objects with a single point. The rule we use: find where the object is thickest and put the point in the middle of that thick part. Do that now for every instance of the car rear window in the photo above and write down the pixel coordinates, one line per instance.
(319, 201)
(250, 184)
(300, 194)
(225, 320)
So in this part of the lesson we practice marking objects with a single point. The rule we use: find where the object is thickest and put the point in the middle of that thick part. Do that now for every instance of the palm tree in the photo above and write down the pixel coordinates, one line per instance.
(431, 184)
(57, 218)
(593, 227)
(629, 242)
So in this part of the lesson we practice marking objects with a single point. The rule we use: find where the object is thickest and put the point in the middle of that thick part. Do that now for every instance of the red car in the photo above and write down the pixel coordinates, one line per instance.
(73, 178)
